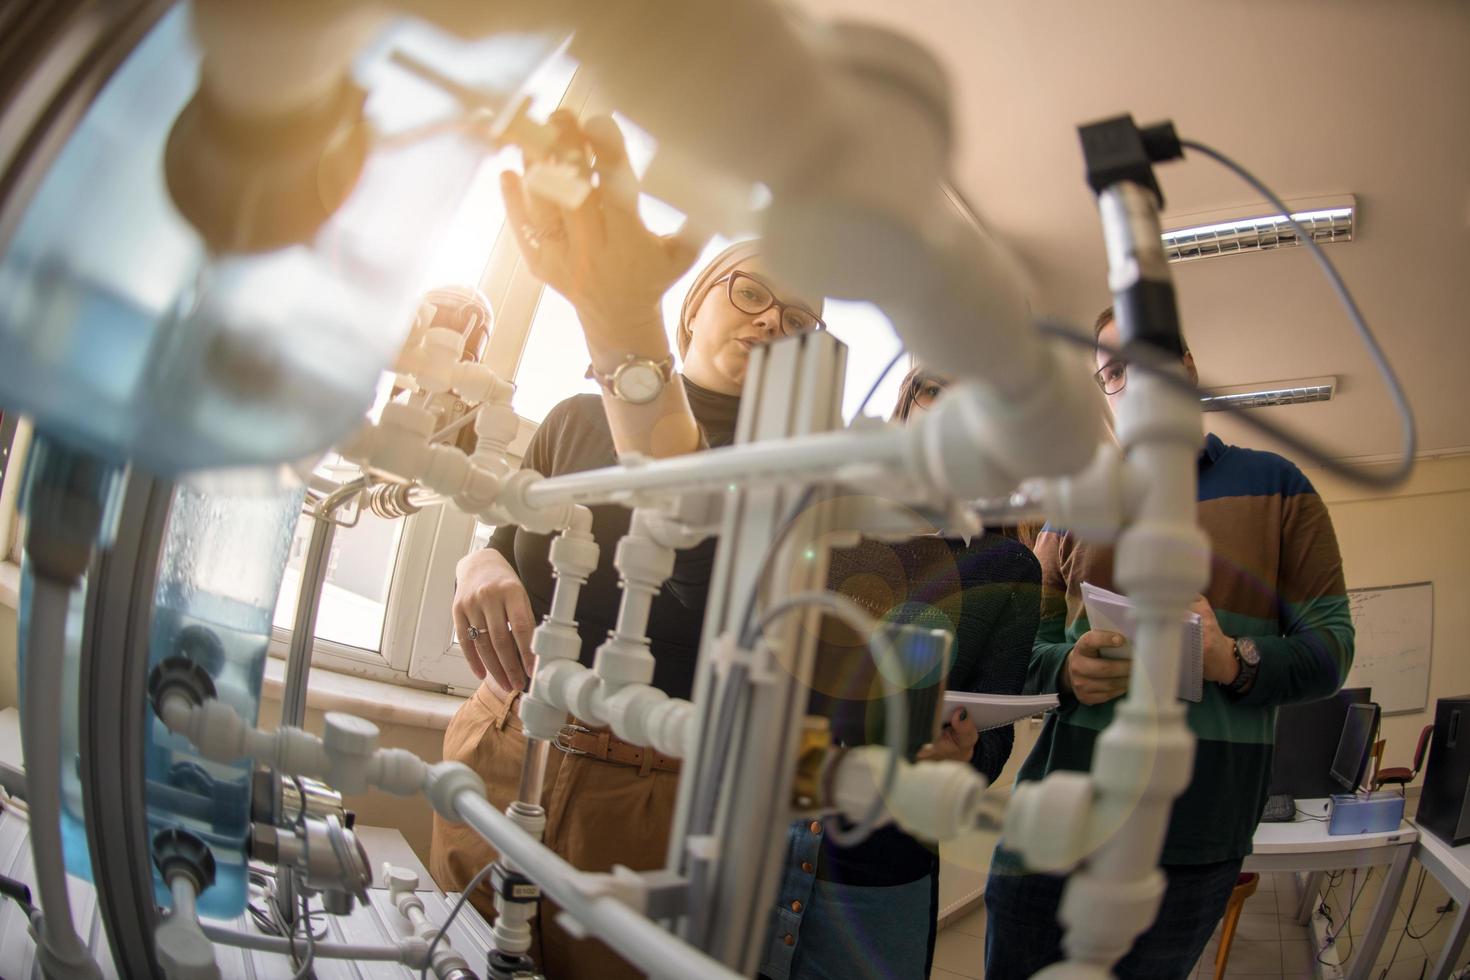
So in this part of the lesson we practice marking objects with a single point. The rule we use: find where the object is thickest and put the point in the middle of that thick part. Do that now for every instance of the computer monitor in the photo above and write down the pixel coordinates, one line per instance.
(1359, 730)
(1306, 740)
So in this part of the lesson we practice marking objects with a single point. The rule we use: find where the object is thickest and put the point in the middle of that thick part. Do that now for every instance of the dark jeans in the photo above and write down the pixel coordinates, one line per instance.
(1022, 934)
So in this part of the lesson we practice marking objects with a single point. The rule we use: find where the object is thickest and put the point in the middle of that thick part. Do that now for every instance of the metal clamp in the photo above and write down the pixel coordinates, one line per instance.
(565, 732)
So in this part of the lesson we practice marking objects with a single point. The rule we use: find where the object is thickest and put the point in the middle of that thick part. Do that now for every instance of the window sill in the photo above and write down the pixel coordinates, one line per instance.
(377, 701)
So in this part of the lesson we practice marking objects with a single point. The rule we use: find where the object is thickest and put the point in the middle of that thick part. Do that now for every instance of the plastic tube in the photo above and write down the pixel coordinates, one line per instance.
(61, 952)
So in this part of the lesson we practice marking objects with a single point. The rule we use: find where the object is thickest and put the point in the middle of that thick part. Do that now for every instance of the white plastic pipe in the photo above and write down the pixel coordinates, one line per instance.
(1144, 758)
(798, 460)
(639, 940)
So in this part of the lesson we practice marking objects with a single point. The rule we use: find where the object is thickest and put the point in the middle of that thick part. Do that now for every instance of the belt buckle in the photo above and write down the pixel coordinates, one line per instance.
(565, 732)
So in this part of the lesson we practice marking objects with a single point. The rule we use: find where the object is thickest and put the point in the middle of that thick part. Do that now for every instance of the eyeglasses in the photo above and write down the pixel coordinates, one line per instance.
(749, 295)
(926, 393)
(1112, 377)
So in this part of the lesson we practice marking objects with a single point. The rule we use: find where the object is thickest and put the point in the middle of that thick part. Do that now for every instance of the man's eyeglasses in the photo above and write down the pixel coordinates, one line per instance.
(1112, 377)
(749, 295)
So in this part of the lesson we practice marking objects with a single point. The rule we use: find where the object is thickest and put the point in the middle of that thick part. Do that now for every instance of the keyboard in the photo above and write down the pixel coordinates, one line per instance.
(1280, 808)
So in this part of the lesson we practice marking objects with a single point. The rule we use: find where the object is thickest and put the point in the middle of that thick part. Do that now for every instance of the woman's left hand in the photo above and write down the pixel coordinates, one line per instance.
(956, 740)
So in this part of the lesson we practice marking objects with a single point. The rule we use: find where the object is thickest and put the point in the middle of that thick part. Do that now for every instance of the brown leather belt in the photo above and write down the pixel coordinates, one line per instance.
(604, 746)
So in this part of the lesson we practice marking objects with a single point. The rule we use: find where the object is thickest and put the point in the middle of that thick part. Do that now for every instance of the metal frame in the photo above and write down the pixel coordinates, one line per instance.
(114, 713)
(768, 725)
(1450, 866)
(1395, 853)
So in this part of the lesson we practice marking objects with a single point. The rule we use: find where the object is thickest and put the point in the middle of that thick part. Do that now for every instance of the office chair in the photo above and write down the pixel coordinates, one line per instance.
(1399, 775)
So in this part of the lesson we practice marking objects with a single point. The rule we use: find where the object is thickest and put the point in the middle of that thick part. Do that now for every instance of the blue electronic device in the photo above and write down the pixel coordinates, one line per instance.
(1366, 814)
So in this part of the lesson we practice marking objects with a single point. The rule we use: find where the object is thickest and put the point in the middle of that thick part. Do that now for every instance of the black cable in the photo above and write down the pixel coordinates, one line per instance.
(19, 893)
(1310, 816)
(1347, 918)
(1409, 928)
(464, 896)
(1408, 919)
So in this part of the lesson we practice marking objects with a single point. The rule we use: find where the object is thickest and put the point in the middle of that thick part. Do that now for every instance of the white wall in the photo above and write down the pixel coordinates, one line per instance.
(1418, 533)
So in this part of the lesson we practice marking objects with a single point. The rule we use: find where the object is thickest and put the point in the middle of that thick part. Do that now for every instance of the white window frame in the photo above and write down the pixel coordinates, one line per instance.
(416, 620)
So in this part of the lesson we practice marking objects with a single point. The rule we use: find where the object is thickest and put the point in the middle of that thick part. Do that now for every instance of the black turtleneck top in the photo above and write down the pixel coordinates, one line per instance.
(575, 437)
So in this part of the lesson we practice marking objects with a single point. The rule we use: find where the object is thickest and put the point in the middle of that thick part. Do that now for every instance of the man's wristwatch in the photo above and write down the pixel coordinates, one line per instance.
(1248, 655)
(637, 380)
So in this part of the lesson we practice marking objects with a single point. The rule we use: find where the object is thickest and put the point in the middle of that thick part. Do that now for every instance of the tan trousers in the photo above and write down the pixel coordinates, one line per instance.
(597, 814)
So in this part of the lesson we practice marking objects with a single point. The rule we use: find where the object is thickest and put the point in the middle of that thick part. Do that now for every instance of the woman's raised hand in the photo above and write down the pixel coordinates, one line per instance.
(600, 256)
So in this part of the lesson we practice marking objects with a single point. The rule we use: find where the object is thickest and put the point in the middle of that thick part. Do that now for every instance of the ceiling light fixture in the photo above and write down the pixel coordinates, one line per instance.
(1325, 225)
(1281, 393)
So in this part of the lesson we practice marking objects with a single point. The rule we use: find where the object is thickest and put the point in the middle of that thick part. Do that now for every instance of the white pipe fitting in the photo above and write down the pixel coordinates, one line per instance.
(1096, 502)
(347, 757)
(1046, 823)
(544, 708)
(934, 800)
(628, 709)
(644, 564)
(511, 506)
(402, 892)
(434, 361)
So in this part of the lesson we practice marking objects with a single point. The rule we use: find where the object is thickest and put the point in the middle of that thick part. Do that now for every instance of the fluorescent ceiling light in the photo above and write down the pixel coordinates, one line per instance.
(1280, 393)
(1258, 234)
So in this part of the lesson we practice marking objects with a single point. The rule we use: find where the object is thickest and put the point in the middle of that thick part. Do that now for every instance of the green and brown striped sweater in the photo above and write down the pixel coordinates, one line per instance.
(1275, 576)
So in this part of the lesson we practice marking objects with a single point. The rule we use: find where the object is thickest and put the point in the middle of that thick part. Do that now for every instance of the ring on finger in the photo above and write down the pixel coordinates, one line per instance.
(473, 633)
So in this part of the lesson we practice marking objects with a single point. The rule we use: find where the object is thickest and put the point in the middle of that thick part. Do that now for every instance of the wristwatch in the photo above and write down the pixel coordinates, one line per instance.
(637, 380)
(1248, 655)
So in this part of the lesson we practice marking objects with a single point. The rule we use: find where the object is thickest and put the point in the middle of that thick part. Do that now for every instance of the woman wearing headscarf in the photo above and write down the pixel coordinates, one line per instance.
(606, 801)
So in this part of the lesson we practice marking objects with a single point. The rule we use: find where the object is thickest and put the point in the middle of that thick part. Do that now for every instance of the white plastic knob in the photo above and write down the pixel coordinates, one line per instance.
(399, 879)
(346, 734)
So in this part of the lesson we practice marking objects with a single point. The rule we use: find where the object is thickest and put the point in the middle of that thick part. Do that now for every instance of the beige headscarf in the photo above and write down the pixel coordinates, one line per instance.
(716, 269)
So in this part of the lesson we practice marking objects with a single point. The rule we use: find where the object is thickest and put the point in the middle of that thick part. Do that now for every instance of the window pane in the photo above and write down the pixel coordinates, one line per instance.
(871, 343)
(464, 250)
(359, 567)
(355, 594)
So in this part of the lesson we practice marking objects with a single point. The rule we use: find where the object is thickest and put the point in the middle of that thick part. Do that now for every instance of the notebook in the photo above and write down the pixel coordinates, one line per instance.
(989, 711)
(1111, 611)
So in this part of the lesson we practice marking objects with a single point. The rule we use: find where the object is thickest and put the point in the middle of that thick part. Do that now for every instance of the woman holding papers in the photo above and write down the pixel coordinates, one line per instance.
(869, 911)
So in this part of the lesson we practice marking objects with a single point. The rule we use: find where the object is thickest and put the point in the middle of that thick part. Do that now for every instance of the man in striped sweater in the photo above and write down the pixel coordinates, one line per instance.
(1276, 631)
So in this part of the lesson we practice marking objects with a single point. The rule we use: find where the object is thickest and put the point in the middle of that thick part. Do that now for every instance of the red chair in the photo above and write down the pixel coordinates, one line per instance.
(1400, 776)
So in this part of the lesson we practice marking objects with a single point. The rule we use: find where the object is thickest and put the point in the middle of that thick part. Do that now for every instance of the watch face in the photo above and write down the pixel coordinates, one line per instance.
(1248, 651)
(638, 383)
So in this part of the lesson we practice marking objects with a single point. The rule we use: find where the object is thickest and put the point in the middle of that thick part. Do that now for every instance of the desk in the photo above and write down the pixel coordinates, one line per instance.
(1451, 868)
(1305, 845)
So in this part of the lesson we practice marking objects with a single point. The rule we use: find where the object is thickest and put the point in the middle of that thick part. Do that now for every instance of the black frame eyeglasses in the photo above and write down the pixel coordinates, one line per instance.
(751, 296)
(1112, 377)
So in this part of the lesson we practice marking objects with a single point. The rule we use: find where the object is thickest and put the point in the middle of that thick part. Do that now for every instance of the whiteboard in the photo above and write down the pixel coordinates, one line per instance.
(1395, 627)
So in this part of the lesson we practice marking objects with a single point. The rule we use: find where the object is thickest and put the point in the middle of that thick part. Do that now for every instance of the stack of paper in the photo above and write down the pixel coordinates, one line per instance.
(1111, 611)
(989, 711)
